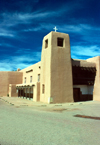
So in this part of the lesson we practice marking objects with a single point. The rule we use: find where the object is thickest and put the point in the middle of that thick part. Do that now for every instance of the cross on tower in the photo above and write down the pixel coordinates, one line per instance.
(55, 28)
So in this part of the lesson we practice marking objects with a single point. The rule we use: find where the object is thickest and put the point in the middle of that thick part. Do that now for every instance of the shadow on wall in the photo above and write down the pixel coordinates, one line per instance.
(78, 96)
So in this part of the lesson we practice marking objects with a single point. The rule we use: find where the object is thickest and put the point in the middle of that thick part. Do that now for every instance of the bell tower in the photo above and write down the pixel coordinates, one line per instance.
(56, 69)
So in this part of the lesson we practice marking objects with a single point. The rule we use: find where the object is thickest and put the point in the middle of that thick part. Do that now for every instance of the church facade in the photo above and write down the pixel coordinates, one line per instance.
(56, 78)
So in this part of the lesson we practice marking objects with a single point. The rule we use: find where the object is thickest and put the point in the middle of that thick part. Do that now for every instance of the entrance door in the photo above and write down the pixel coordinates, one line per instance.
(21, 93)
(76, 94)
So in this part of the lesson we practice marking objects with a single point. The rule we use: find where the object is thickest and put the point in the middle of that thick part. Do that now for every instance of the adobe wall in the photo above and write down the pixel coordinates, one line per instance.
(9, 77)
(61, 70)
(36, 92)
(12, 90)
(45, 70)
(33, 71)
(4, 83)
(56, 70)
(96, 92)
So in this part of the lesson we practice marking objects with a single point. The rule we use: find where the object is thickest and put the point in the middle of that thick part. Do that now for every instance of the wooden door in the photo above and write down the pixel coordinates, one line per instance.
(76, 94)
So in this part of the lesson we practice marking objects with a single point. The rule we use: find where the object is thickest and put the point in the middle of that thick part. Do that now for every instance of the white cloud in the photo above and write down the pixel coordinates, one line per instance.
(12, 19)
(25, 18)
(6, 32)
(29, 57)
(23, 51)
(5, 66)
(80, 28)
(76, 28)
(6, 44)
(85, 51)
(28, 16)
(41, 27)
(21, 61)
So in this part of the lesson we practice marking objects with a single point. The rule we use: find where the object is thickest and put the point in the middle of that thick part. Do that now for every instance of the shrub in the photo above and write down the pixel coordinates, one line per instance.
(7, 95)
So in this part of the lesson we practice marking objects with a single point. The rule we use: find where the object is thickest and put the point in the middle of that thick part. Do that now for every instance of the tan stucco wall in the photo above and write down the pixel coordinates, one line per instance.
(56, 70)
(96, 92)
(45, 70)
(12, 90)
(34, 73)
(4, 83)
(9, 77)
(38, 91)
(61, 70)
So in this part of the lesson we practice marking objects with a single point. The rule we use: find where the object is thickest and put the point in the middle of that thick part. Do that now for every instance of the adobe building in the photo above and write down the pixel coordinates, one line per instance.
(57, 78)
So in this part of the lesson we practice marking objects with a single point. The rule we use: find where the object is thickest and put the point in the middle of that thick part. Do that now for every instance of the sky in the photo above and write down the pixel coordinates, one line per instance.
(24, 23)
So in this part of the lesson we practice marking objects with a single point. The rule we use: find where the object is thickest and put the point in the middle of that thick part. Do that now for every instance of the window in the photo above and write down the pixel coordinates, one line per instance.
(25, 80)
(43, 89)
(60, 42)
(29, 71)
(30, 79)
(38, 77)
(46, 43)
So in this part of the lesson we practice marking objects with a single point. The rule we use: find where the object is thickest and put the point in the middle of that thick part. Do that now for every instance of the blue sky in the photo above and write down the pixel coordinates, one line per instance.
(24, 23)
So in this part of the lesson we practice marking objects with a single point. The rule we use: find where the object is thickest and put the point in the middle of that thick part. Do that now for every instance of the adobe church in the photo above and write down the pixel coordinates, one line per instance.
(57, 78)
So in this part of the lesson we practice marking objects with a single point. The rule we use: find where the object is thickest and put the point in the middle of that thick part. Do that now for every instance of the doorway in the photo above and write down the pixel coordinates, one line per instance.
(76, 94)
